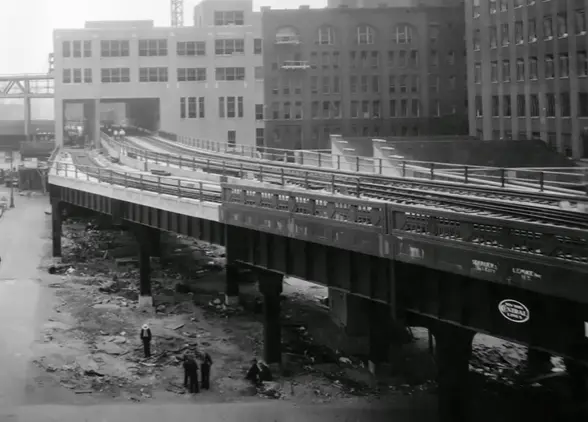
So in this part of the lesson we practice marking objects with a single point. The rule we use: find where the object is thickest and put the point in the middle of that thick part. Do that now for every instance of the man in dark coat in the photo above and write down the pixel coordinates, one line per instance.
(205, 371)
(253, 373)
(191, 374)
(146, 339)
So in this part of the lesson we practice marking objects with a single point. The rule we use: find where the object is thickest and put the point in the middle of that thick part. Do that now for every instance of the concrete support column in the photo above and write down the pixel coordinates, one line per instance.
(96, 123)
(145, 297)
(154, 237)
(56, 223)
(270, 285)
(453, 351)
(578, 374)
(232, 285)
(58, 108)
(27, 116)
(381, 334)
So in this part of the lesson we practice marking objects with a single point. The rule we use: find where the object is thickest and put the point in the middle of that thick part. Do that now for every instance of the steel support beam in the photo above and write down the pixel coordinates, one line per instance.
(56, 227)
(270, 285)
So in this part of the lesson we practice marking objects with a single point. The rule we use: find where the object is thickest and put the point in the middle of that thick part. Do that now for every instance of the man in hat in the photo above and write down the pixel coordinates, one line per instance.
(191, 373)
(146, 339)
(205, 371)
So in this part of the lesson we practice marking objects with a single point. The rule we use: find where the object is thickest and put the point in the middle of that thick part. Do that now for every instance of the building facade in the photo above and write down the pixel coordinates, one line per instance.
(362, 72)
(207, 77)
(528, 71)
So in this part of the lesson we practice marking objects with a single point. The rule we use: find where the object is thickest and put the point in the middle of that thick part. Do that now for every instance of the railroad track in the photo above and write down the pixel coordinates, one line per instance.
(546, 210)
(507, 194)
(412, 197)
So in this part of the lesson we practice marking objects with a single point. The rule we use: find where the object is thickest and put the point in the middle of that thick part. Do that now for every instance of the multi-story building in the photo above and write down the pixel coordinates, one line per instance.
(528, 71)
(362, 72)
(205, 80)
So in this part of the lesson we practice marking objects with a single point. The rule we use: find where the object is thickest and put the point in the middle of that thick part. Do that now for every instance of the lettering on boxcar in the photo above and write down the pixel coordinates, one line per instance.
(526, 275)
(514, 311)
(484, 267)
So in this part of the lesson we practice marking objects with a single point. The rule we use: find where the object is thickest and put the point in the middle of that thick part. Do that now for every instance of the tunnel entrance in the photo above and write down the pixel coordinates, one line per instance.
(83, 119)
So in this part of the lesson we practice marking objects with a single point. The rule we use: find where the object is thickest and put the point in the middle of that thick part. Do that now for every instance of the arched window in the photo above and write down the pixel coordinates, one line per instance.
(403, 34)
(366, 35)
(326, 35)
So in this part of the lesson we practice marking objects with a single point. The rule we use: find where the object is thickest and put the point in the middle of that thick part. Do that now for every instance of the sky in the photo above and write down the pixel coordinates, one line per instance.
(26, 25)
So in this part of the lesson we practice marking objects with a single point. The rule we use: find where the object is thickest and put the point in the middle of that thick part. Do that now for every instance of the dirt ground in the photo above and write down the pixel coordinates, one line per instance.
(90, 346)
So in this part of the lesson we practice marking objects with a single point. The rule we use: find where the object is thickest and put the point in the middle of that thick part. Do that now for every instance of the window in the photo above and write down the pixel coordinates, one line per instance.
(565, 104)
(234, 107)
(336, 109)
(354, 109)
(547, 28)
(326, 60)
(521, 106)
(415, 108)
(77, 76)
(364, 84)
(336, 85)
(415, 84)
(227, 18)
(580, 22)
(478, 104)
(88, 76)
(549, 67)
(151, 48)
(201, 112)
(77, 48)
(532, 35)
(314, 84)
(232, 137)
(519, 37)
(258, 111)
(191, 74)
(298, 110)
(520, 70)
(335, 60)
(259, 137)
(326, 85)
(392, 108)
(314, 110)
(191, 48)
(477, 40)
(376, 109)
(476, 9)
(326, 110)
(433, 33)
(115, 75)
(492, 6)
(182, 107)
(493, 38)
(477, 73)
(550, 109)
(403, 34)
(583, 110)
(562, 25)
(153, 74)
(494, 71)
(402, 83)
(66, 48)
(533, 68)
(326, 36)
(114, 48)
(506, 71)
(534, 105)
(434, 83)
(227, 47)
(230, 73)
(495, 106)
(66, 76)
(257, 46)
(564, 66)
(365, 35)
(451, 58)
(402, 60)
(391, 83)
(87, 48)
(375, 84)
(258, 73)
(506, 106)
(582, 68)
(375, 60)
(287, 110)
(503, 5)
(434, 58)
(437, 108)
(192, 107)
(414, 58)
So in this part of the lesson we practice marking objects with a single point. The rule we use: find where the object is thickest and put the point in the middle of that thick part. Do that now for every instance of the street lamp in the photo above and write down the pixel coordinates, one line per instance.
(11, 180)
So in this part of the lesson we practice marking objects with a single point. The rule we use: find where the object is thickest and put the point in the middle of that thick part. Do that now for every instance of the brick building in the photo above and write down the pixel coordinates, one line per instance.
(362, 72)
(528, 71)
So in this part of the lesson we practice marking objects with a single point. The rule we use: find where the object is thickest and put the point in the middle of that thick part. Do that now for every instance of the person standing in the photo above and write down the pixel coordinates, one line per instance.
(191, 374)
(205, 371)
(146, 339)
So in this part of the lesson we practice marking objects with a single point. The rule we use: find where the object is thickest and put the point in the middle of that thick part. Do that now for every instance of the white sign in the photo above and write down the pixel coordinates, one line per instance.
(514, 311)
(484, 267)
(526, 275)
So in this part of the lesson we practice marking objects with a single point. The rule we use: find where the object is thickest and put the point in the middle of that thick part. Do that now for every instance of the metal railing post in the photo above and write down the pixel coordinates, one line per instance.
(541, 181)
(158, 184)
(358, 187)
(432, 171)
(306, 186)
(357, 164)
(282, 176)
(179, 188)
(141, 183)
(201, 191)
(379, 166)
(404, 169)
(333, 182)
(261, 173)
(338, 162)
(465, 174)
(502, 177)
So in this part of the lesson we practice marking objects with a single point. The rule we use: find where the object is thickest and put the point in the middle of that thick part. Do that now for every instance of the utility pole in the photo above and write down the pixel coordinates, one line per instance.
(11, 179)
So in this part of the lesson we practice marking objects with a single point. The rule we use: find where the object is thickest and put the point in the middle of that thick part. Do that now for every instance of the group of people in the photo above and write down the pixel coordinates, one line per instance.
(191, 373)
(190, 364)
(258, 373)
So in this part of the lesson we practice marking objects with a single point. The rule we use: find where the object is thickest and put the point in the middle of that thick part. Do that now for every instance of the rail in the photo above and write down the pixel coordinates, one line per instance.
(532, 178)
(398, 195)
(529, 239)
(525, 205)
